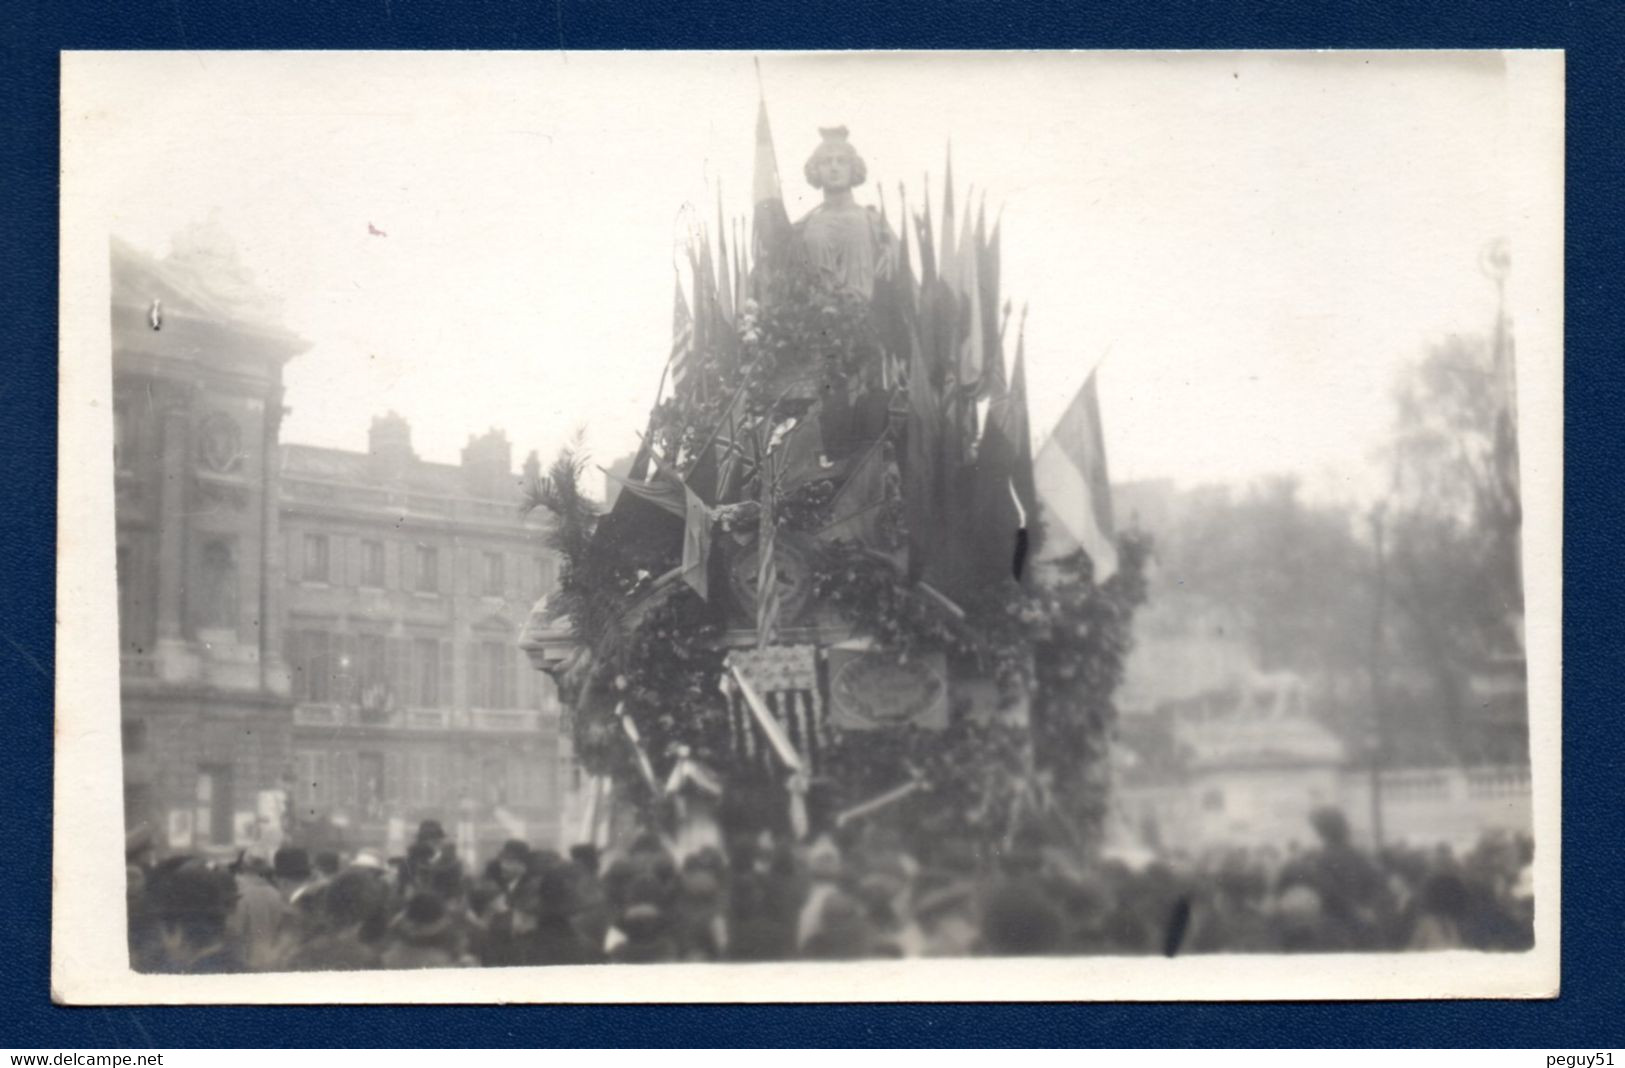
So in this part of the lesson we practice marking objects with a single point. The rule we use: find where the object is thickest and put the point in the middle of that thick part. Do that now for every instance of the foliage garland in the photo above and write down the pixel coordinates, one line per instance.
(654, 651)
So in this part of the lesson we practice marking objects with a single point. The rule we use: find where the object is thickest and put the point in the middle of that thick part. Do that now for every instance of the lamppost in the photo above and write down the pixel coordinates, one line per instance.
(1375, 739)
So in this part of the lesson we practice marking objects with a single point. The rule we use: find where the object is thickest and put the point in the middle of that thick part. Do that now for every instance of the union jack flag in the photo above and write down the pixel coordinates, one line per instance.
(735, 451)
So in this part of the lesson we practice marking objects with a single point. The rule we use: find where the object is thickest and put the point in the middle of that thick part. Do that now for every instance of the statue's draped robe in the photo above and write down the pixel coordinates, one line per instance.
(849, 243)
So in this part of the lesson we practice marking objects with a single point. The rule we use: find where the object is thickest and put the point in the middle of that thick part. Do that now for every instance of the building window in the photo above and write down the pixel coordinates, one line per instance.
(134, 735)
(372, 678)
(316, 558)
(494, 583)
(372, 564)
(311, 656)
(493, 683)
(546, 577)
(217, 606)
(212, 822)
(426, 652)
(428, 569)
(371, 784)
(312, 792)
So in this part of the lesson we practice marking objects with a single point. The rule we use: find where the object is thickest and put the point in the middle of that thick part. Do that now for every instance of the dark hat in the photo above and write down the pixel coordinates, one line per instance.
(514, 849)
(431, 831)
(192, 891)
(291, 863)
(425, 918)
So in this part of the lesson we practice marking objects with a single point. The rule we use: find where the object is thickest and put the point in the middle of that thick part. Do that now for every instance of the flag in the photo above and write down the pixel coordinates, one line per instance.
(696, 543)
(725, 294)
(928, 252)
(767, 572)
(660, 491)
(1005, 502)
(920, 488)
(801, 459)
(1072, 486)
(993, 380)
(682, 339)
(1017, 427)
(968, 300)
(859, 505)
(735, 457)
(772, 223)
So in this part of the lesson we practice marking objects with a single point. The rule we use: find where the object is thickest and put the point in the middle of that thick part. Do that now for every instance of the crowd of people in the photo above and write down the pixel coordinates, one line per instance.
(764, 898)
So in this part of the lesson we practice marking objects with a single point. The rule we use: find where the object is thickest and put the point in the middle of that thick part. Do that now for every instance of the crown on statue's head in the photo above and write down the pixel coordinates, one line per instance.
(833, 141)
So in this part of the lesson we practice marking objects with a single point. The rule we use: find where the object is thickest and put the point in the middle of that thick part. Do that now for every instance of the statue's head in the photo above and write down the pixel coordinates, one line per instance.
(835, 164)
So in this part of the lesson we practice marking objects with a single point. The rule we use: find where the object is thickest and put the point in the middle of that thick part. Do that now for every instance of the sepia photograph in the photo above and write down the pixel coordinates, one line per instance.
(834, 526)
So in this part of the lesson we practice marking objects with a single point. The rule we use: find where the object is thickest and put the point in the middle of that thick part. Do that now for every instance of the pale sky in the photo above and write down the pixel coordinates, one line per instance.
(1251, 242)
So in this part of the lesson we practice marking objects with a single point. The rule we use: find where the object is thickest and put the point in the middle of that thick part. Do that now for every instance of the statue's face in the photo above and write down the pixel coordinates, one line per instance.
(835, 171)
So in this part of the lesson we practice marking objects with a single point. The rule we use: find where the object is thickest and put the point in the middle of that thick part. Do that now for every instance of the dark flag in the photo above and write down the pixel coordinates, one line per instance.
(771, 233)
(921, 490)
(1005, 500)
(993, 380)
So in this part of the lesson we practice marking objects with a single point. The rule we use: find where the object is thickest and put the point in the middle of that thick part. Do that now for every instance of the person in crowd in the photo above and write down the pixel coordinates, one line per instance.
(261, 926)
(867, 896)
(883, 890)
(350, 931)
(755, 932)
(1444, 905)
(591, 918)
(947, 914)
(645, 924)
(537, 929)
(190, 902)
(506, 869)
(824, 873)
(140, 924)
(292, 872)
(423, 936)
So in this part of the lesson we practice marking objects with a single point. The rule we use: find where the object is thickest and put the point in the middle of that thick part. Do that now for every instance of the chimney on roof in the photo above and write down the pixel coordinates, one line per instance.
(389, 443)
(488, 466)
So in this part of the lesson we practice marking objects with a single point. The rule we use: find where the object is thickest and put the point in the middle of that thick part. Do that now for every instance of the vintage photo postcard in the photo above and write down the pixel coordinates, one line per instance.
(582, 527)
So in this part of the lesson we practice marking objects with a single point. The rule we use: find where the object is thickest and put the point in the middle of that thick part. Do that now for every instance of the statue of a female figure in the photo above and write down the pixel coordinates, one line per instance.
(848, 242)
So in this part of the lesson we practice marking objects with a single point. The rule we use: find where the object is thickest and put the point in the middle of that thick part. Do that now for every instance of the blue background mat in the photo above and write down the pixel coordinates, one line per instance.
(1589, 1013)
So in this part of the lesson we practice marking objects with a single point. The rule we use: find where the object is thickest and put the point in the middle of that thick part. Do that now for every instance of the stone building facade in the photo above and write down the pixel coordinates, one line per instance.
(315, 643)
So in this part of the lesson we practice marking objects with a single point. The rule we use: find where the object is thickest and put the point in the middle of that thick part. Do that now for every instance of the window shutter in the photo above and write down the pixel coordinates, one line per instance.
(293, 568)
(508, 666)
(444, 568)
(392, 564)
(392, 670)
(353, 553)
(293, 654)
(446, 698)
(406, 680)
(476, 676)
